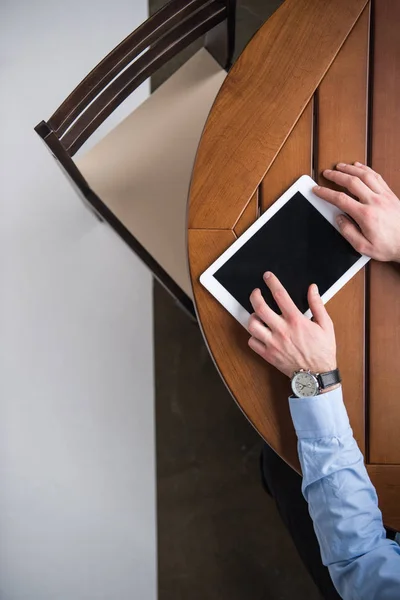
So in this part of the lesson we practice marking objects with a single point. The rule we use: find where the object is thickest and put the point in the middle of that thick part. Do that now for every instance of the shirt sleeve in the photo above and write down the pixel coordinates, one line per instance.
(343, 504)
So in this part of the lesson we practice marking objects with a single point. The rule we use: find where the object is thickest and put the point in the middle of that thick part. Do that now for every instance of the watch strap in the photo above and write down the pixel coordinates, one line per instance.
(329, 378)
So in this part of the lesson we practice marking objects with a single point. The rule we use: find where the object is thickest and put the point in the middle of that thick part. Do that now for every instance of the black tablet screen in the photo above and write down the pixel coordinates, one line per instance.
(297, 244)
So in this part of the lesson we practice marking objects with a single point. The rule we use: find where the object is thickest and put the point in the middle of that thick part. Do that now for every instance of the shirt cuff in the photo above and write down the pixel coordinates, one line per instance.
(320, 416)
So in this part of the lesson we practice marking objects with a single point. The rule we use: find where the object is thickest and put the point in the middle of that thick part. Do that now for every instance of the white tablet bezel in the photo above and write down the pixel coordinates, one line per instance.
(330, 212)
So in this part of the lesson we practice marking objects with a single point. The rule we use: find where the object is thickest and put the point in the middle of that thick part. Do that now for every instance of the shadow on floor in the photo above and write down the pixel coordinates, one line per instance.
(219, 534)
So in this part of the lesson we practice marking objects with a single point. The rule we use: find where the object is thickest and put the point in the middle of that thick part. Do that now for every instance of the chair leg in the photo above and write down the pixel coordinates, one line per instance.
(231, 32)
(186, 305)
(190, 313)
(220, 41)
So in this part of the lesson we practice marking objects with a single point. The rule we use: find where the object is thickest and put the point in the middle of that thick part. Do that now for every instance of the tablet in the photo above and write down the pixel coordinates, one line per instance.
(297, 239)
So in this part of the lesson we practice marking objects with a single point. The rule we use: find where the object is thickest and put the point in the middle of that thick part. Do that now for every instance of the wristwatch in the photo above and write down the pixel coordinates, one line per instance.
(305, 383)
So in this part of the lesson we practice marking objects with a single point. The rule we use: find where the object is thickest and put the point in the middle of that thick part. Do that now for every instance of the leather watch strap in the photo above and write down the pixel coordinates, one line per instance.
(328, 379)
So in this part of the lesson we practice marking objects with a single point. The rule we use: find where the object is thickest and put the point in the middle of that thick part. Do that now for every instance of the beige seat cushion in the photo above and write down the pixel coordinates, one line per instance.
(142, 168)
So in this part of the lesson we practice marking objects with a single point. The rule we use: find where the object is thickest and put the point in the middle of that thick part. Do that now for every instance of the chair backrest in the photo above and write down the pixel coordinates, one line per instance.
(135, 59)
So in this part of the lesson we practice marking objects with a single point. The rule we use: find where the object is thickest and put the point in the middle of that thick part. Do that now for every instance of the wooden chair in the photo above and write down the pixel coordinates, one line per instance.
(137, 177)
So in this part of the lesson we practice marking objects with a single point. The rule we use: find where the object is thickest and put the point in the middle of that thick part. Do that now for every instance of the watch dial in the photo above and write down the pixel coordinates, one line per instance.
(305, 385)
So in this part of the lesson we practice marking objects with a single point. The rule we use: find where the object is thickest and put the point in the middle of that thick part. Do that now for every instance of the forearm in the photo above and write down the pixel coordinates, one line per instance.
(338, 476)
(342, 501)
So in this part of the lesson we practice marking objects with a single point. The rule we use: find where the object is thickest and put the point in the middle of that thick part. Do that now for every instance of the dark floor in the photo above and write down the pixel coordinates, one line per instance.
(219, 535)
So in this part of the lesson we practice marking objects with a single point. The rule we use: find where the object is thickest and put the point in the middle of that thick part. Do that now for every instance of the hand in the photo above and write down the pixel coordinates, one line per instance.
(377, 213)
(291, 341)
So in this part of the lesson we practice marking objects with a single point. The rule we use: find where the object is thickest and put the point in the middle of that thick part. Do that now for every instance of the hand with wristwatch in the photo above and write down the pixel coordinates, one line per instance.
(302, 349)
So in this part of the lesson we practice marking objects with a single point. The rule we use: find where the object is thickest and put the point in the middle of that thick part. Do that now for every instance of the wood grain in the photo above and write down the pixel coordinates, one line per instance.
(384, 406)
(341, 136)
(260, 390)
(294, 160)
(248, 216)
(261, 101)
(386, 479)
(260, 133)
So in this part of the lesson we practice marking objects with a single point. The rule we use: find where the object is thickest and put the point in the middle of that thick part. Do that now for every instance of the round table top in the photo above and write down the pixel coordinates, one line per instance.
(295, 102)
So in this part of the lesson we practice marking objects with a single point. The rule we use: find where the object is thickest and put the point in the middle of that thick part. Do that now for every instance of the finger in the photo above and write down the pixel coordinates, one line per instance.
(377, 175)
(258, 330)
(281, 296)
(257, 346)
(341, 201)
(263, 311)
(353, 183)
(369, 178)
(317, 307)
(353, 235)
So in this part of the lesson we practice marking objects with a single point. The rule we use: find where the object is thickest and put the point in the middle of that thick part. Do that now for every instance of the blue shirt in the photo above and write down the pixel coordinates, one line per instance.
(342, 501)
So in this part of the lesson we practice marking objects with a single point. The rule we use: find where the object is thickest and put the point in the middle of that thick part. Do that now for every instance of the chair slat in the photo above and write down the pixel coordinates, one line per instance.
(138, 72)
(148, 33)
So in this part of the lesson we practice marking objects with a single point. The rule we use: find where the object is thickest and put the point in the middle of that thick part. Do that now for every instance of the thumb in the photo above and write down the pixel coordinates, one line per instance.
(351, 233)
(317, 307)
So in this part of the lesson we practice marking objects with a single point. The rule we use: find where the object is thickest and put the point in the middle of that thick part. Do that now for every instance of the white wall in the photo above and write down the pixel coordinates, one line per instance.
(77, 478)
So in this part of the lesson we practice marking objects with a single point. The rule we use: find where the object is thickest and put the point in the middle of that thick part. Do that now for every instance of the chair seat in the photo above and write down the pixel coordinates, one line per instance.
(142, 169)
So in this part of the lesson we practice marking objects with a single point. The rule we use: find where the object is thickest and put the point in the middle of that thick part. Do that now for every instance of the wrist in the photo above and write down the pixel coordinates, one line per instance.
(318, 367)
(332, 366)
(329, 389)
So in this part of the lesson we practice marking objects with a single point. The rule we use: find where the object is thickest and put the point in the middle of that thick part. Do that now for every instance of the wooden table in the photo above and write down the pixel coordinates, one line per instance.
(318, 84)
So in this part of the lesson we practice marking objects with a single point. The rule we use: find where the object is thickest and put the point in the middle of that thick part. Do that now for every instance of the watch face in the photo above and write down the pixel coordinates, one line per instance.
(305, 384)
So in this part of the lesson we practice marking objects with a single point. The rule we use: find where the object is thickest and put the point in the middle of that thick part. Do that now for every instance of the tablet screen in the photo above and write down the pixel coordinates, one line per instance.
(299, 246)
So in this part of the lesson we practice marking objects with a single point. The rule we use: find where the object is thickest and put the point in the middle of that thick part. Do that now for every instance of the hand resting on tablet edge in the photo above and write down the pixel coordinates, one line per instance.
(377, 213)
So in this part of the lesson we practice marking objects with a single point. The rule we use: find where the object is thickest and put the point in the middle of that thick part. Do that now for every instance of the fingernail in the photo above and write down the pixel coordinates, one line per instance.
(341, 165)
(315, 289)
(328, 171)
(358, 164)
(316, 188)
(340, 220)
(267, 275)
